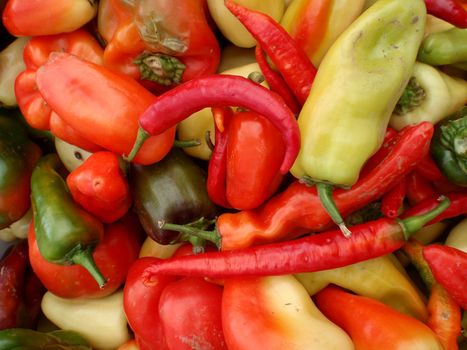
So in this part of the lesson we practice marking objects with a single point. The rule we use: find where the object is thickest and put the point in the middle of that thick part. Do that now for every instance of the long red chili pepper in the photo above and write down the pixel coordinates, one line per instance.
(275, 81)
(449, 267)
(318, 252)
(390, 139)
(391, 202)
(419, 188)
(220, 91)
(289, 58)
(451, 11)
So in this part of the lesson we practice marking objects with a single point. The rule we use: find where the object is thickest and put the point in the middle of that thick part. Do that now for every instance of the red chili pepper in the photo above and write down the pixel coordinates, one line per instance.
(429, 169)
(392, 201)
(444, 313)
(276, 82)
(36, 53)
(451, 11)
(289, 58)
(113, 255)
(99, 186)
(84, 94)
(390, 139)
(317, 252)
(419, 188)
(449, 267)
(220, 91)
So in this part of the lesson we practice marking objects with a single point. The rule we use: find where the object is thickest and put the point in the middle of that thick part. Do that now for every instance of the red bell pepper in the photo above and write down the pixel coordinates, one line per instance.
(113, 256)
(254, 150)
(177, 46)
(47, 17)
(374, 325)
(83, 94)
(35, 54)
(449, 267)
(100, 186)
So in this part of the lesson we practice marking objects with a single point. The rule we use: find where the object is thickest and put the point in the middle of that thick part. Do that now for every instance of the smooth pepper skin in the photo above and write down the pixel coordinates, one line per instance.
(18, 156)
(344, 119)
(65, 233)
(449, 149)
(173, 190)
(446, 47)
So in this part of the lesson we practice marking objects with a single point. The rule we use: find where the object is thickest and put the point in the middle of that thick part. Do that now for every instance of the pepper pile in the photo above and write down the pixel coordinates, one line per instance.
(210, 174)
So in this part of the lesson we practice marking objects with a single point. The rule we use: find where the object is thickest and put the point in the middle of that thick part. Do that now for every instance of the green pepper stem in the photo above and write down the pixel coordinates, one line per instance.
(325, 195)
(85, 259)
(141, 136)
(187, 143)
(211, 236)
(413, 224)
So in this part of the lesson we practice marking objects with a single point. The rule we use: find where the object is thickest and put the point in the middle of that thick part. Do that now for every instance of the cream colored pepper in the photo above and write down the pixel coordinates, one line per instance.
(457, 237)
(17, 230)
(101, 322)
(232, 28)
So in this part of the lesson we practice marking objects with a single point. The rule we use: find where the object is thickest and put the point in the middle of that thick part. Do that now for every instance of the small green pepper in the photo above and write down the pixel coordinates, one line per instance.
(449, 148)
(65, 233)
(172, 190)
(28, 339)
(446, 47)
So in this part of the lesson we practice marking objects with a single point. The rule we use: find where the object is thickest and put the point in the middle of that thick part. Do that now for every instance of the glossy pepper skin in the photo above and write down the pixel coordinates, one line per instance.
(83, 93)
(341, 126)
(449, 150)
(100, 186)
(446, 47)
(172, 190)
(20, 338)
(66, 234)
(38, 17)
(18, 156)
(373, 325)
(36, 52)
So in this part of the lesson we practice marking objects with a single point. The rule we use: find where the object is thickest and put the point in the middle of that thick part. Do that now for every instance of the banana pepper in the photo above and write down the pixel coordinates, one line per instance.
(101, 321)
(358, 84)
(382, 278)
(315, 25)
(445, 47)
(430, 95)
(11, 64)
(457, 237)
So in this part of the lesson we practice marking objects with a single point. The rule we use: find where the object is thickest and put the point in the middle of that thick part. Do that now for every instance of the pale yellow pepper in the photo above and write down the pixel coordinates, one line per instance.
(17, 230)
(383, 279)
(232, 28)
(457, 237)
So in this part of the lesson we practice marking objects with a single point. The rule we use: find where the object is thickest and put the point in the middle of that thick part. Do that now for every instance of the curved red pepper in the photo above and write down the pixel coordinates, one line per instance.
(100, 187)
(451, 11)
(113, 255)
(220, 91)
(392, 201)
(35, 54)
(449, 267)
(418, 188)
(289, 58)
(83, 94)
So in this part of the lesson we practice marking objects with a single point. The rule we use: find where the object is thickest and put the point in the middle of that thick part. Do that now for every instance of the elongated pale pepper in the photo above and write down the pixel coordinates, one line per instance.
(357, 86)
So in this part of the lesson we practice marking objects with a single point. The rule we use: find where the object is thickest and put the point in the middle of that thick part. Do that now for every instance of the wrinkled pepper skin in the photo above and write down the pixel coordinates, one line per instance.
(20, 338)
(373, 325)
(172, 190)
(276, 313)
(18, 156)
(39, 17)
(449, 149)
(83, 93)
(344, 119)
(66, 234)
(446, 47)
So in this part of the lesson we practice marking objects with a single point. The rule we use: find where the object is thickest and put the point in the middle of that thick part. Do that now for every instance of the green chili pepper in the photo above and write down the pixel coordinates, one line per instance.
(28, 339)
(449, 148)
(65, 233)
(446, 47)
(172, 190)
(18, 156)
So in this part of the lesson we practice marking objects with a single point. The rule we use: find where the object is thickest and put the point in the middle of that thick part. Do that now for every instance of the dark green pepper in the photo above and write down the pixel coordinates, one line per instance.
(18, 156)
(446, 47)
(28, 339)
(65, 233)
(172, 190)
(449, 148)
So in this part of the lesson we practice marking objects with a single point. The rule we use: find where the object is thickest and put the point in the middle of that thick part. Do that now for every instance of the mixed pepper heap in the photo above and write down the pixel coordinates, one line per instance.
(222, 174)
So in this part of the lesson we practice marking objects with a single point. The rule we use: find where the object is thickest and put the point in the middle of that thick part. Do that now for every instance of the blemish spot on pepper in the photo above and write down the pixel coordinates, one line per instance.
(415, 19)
(78, 155)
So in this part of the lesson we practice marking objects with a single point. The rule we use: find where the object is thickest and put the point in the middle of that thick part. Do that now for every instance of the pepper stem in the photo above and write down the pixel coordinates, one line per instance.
(325, 195)
(187, 143)
(141, 136)
(412, 224)
(85, 259)
(211, 236)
